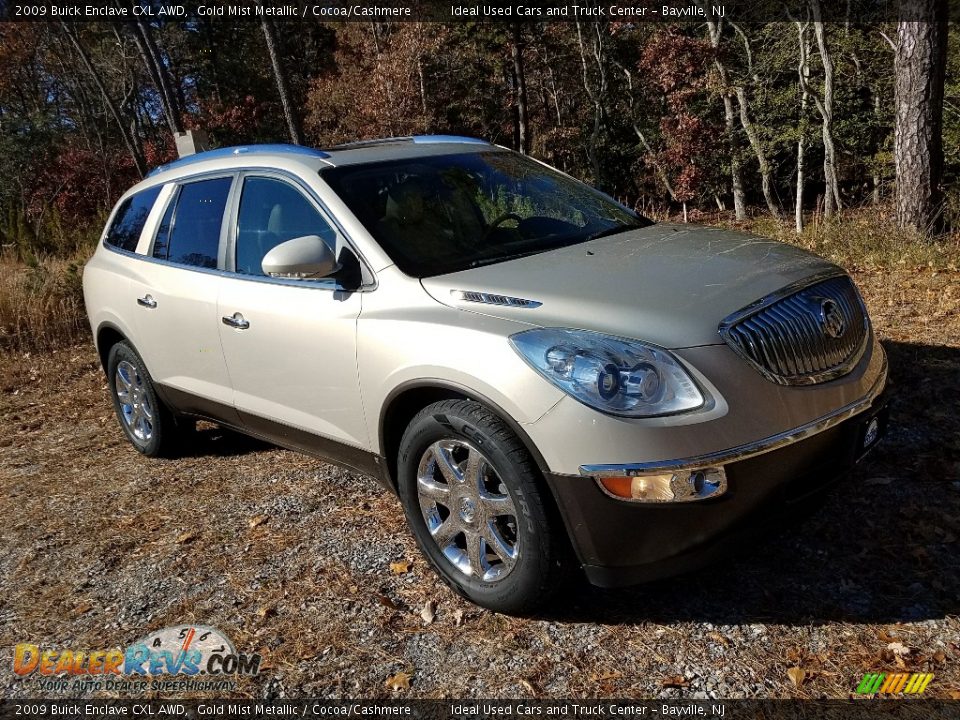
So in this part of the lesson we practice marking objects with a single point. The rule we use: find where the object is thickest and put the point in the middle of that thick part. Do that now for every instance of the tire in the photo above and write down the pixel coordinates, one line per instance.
(496, 539)
(148, 424)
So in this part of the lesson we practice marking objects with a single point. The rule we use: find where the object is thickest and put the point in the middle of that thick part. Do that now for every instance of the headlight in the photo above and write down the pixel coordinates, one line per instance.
(613, 375)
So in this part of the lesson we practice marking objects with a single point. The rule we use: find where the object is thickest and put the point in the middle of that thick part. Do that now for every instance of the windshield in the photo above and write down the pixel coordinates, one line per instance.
(443, 213)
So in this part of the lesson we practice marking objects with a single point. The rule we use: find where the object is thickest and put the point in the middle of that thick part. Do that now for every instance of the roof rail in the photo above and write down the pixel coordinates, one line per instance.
(417, 139)
(427, 139)
(225, 152)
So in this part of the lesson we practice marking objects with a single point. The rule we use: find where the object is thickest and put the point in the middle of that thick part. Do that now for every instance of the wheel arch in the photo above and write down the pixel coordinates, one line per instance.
(409, 398)
(108, 334)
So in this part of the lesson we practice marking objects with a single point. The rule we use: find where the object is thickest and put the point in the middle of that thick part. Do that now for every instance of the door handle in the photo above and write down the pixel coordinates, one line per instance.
(236, 321)
(147, 301)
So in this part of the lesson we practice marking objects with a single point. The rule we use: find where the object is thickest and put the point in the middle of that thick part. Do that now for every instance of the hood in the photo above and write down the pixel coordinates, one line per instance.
(670, 285)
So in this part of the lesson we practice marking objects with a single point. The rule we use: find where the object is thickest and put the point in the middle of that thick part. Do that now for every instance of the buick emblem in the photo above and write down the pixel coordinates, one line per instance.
(832, 321)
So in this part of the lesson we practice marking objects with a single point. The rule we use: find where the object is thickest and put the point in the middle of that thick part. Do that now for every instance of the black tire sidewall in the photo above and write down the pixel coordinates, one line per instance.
(524, 587)
(118, 353)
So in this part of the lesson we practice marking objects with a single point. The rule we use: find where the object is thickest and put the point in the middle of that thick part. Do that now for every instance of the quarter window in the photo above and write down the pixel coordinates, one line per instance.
(271, 212)
(128, 223)
(191, 235)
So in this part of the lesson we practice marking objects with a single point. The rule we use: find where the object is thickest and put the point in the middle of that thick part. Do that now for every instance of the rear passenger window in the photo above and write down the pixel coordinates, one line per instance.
(130, 218)
(162, 242)
(272, 212)
(191, 235)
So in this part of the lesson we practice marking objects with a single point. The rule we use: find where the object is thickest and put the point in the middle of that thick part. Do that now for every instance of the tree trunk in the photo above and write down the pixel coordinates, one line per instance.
(832, 192)
(280, 76)
(875, 195)
(920, 63)
(803, 69)
(523, 122)
(730, 121)
(597, 93)
(766, 172)
(157, 69)
(128, 140)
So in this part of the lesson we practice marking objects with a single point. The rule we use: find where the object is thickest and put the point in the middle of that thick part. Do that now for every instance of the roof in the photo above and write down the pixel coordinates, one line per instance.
(347, 154)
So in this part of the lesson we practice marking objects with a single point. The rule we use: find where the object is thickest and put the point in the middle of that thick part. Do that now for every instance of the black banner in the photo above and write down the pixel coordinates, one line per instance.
(849, 11)
(867, 708)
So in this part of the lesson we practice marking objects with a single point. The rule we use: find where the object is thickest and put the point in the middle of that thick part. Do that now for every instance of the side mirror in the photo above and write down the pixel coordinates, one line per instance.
(303, 257)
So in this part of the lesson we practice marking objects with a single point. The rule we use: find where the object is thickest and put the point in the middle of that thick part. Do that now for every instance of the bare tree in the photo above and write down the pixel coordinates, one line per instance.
(596, 89)
(133, 146)
(658, 168)
(159, 74)
(520, 88)
(831, 202)
(283, 87)
(766, 169)
(730, 119)
(803, 70)
(920, 63)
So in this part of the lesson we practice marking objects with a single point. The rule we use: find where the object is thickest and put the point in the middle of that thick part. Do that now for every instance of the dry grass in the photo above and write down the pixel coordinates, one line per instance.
(41, 304)
(863, 239)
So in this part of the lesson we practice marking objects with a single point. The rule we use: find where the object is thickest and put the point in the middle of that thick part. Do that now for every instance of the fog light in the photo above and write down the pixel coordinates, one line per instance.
(678, 486)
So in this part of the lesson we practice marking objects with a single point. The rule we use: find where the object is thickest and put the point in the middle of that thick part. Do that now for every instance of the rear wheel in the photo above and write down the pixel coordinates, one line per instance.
(473, 499)
(148, 424)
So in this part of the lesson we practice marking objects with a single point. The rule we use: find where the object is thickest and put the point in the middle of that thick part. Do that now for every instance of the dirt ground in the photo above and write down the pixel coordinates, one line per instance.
(292, 558)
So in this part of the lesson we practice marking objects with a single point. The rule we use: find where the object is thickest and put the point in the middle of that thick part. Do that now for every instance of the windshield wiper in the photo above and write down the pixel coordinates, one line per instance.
(480, 262)
(615, 230)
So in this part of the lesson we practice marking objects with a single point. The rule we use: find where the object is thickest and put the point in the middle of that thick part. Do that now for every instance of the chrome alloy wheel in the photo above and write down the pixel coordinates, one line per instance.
(134, 401)
(468, 510)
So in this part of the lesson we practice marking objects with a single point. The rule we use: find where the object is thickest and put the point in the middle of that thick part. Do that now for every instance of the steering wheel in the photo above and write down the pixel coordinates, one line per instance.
(502, 219)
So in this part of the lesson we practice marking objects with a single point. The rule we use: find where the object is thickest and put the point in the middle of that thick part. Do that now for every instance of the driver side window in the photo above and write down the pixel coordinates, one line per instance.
(271, 212)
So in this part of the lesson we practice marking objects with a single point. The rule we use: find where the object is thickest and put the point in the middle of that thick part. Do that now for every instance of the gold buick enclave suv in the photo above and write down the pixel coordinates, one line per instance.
(545, 378)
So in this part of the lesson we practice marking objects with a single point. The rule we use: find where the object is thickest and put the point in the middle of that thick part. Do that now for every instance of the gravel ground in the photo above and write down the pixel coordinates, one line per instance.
(292, 558)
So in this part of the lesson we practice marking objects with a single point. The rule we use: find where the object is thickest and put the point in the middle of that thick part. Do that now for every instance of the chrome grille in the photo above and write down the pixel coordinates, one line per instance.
(802, 336)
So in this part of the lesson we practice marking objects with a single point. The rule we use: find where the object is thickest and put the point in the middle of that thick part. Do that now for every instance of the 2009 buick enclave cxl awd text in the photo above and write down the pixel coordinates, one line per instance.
(545, 378)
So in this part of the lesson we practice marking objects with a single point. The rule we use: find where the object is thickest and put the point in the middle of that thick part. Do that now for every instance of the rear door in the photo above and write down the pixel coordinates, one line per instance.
(175, 293)
(290, 345)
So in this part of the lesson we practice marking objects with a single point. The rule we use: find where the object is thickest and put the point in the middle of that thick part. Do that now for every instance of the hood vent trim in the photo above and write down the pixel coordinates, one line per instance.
(485, 298)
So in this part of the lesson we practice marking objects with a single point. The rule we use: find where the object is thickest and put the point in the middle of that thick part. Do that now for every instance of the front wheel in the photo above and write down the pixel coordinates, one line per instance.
(472, 497)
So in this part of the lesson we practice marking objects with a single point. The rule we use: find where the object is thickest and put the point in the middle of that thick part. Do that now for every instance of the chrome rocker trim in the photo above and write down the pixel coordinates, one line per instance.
(743, 452)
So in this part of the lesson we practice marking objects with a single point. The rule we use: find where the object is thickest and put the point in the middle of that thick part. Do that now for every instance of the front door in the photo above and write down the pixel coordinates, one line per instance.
(290, 345)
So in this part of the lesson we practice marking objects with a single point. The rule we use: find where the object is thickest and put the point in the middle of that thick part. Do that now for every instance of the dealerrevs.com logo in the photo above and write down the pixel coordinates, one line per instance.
(197, 656)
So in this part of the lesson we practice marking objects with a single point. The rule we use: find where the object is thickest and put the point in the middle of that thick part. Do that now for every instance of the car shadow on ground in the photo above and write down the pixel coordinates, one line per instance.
(214, 441)
(884, 548)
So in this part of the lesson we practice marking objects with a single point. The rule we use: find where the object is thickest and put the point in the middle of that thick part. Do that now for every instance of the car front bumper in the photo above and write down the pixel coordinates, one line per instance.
(621, 542)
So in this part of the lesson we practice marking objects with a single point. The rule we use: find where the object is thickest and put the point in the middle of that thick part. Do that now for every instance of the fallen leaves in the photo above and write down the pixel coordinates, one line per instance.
(399, 681)
(387, 602)
(898, 648)
(796, 676)
(429, 611)
(528, 686)
(400, 567)
(886, 637)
